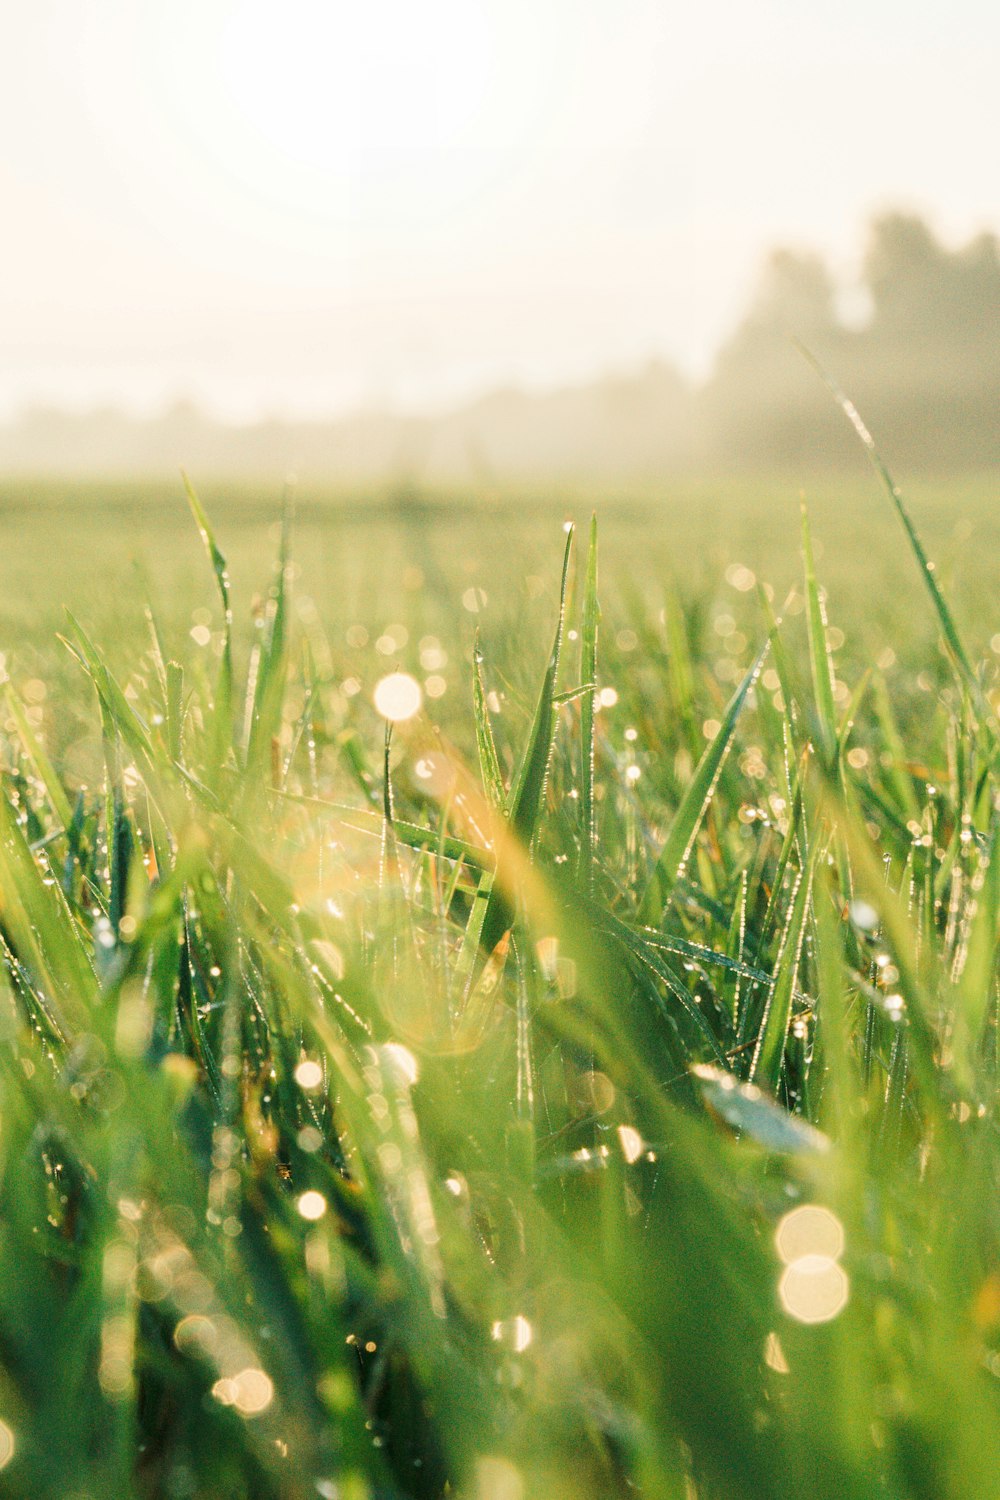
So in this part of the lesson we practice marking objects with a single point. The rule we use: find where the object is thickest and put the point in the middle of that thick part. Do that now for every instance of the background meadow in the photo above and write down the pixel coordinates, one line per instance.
(588, 1085)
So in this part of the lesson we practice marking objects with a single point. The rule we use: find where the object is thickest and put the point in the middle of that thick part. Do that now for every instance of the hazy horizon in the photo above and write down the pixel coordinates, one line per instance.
(307, 211)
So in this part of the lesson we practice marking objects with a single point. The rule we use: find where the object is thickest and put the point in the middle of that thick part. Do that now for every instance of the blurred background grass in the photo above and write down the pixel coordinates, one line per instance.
(367, 560)
(346, 1150)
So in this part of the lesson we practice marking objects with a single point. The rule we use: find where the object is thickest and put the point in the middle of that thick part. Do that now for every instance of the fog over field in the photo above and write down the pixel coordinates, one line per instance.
(923, 364)
(405, 209)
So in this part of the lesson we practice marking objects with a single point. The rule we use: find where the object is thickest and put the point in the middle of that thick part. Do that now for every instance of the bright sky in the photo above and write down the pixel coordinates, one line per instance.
(298, 205)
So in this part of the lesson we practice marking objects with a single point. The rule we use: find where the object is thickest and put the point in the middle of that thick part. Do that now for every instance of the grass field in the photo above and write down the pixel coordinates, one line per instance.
(588, 1087)
(108, 551)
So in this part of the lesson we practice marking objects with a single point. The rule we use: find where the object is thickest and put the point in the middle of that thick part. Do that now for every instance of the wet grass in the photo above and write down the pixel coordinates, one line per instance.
(584, 1085)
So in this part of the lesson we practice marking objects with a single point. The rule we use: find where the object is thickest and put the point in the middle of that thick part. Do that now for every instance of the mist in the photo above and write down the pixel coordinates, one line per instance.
(923, 365)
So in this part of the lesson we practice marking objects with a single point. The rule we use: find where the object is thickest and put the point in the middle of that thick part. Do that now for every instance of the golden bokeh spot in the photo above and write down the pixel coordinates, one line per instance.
(809, 1230)
(814, 1289)
(312, 1205)
(309, 1074)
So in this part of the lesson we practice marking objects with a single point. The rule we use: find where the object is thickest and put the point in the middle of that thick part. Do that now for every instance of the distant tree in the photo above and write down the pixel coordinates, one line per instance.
(796, 296)
(924, 370)
(921, 290)
(762, 406)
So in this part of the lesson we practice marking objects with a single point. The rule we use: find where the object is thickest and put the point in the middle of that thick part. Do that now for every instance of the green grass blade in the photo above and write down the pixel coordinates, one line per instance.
(977, 958)
(368, 821)
(949, 629)
(269, 686)
(39, 758)
(820, 660)
(642, 950)
(489, 761)
(40, 924)
(794, 837)
(588, 674)
(765, 1069)
(675, 853)
(529, 785)
(680, 668)
(746, 1109)
(121, 716)
(894, 754)
(527, 794)
(224, 693)
(174, 673)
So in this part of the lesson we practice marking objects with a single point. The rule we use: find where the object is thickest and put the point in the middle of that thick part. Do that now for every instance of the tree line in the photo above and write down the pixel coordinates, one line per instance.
(922, 363)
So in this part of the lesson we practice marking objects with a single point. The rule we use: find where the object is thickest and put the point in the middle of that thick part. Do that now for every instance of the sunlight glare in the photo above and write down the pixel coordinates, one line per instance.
(326, 85)
(398, 697)
(402, 1064)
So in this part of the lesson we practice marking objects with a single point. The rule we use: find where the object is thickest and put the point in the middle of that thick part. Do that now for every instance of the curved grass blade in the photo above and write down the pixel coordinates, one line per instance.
(745, 1108)
(40, 924)
(467, 964)
(119, 713)
(269, 684)
(851, 712)
(39, 758)
(946, 620)
(901, 937)
(794, 835)
(677, 850)
(894, 757)
(224, 692)
(366, 820)
(712, 958)
(489, 761)
(820, 661)
(977, 956)
(765, 1068)
(635, 948)
(779, 655)
(529, 785)
(527, 794)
